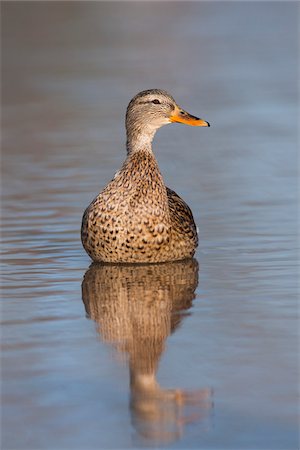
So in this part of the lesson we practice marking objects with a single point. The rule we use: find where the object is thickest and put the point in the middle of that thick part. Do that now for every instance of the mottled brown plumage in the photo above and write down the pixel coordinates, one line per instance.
(136, 218)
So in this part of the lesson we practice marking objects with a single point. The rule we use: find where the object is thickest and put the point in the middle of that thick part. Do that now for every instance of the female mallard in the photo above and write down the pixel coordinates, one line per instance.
(136, 218)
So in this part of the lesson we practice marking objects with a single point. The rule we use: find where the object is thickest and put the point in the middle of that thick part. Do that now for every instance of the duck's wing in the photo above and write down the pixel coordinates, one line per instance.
(182, 217)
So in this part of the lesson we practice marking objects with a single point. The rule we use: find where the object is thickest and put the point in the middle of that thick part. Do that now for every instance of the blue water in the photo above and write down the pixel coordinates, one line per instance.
(201, 356)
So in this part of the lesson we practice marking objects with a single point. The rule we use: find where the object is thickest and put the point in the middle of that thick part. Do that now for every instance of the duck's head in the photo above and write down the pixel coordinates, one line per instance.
(150, 110)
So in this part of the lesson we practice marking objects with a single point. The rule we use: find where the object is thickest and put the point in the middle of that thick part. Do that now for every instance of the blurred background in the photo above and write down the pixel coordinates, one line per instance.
(225, 331)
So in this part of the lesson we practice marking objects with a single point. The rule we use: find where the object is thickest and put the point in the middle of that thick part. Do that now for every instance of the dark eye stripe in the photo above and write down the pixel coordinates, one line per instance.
(144, 102)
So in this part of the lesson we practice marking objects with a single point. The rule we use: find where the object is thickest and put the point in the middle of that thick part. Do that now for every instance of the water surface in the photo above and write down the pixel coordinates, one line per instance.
(199, 354)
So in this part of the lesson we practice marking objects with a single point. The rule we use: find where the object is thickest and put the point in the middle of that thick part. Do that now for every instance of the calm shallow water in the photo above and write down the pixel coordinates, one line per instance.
(199, 354)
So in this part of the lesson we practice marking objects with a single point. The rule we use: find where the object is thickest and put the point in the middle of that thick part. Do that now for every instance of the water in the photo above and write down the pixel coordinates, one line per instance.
(200, 354)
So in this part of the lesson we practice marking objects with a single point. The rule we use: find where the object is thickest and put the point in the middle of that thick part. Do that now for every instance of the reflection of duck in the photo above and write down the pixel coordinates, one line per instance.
(136, 218)
(136, 308)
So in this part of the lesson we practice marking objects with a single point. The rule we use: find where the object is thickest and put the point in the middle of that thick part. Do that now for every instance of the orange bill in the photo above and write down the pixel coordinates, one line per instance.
(181, 116)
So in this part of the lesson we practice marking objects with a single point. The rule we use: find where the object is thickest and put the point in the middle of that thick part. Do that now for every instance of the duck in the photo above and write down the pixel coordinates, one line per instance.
(136, 218)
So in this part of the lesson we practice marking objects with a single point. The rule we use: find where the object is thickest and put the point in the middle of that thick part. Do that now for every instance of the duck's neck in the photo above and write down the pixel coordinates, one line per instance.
(142, 180)
(140, 138)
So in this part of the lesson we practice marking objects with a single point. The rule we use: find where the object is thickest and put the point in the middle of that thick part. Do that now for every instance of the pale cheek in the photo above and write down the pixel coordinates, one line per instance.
(160, 122)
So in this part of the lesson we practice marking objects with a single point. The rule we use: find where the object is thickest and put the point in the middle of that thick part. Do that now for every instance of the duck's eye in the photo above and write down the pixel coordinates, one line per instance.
(156, 102)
